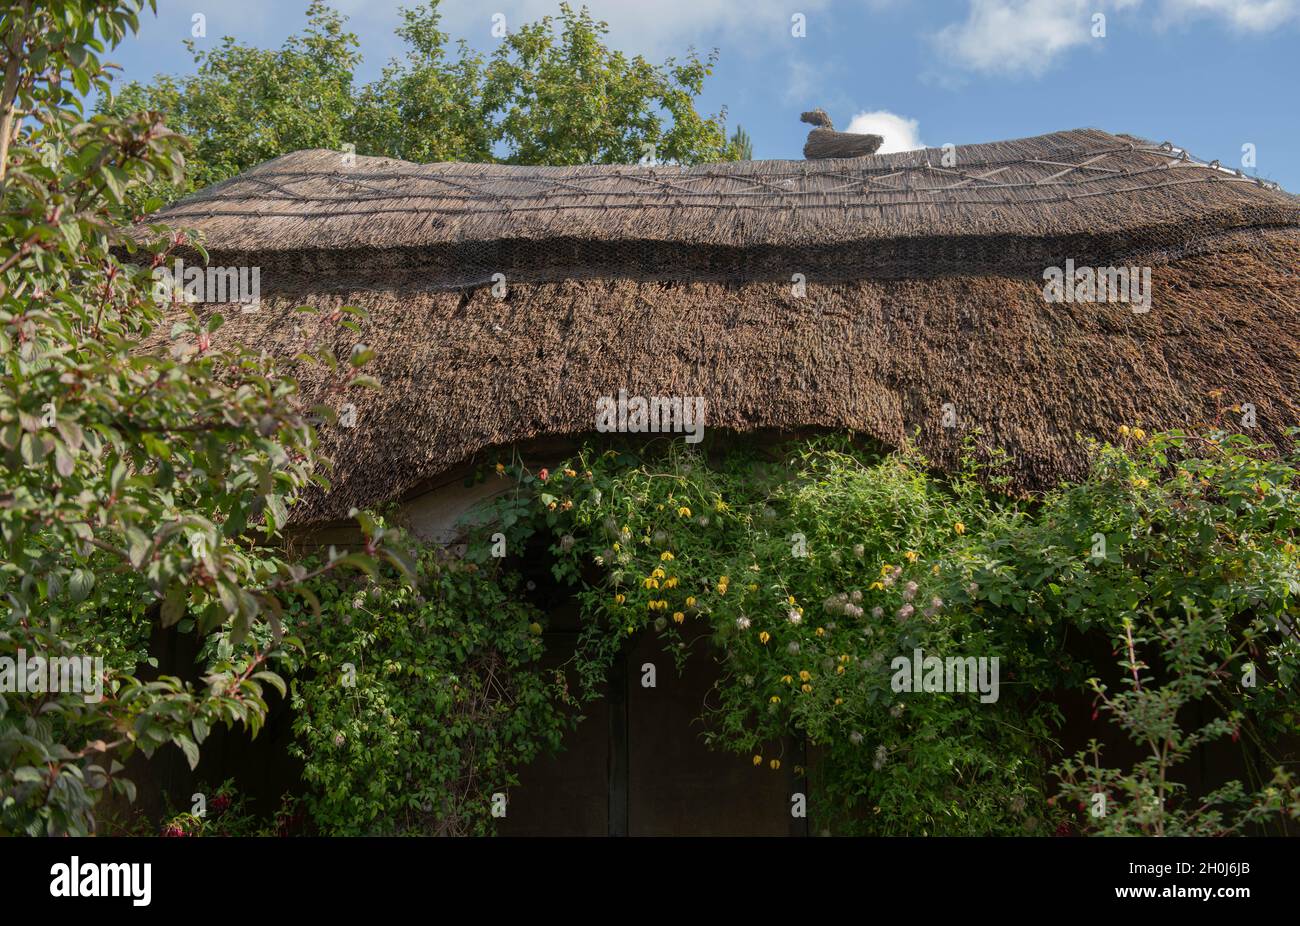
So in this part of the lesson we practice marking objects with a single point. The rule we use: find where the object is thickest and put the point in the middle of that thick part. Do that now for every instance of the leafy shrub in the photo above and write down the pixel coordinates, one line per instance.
(417, 703)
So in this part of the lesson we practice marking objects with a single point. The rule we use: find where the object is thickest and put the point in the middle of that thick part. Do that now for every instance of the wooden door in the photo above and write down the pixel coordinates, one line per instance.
(637, 764)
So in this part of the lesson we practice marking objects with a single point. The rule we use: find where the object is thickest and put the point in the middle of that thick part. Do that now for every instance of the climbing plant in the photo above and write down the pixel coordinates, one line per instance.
(812, 569)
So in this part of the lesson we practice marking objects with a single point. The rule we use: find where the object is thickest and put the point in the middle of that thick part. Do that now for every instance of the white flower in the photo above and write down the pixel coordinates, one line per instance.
(742, 622)
(877, 612)
(909, 591)
(905, 612)
(794, 617)
(855, 738)
(793, 647)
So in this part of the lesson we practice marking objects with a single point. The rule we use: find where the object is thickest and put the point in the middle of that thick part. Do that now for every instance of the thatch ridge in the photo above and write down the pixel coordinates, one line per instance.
(1067, 183)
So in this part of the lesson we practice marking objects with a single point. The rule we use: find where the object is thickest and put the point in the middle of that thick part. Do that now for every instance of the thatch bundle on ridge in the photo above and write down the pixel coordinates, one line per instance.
(824, 142)
(858, 293)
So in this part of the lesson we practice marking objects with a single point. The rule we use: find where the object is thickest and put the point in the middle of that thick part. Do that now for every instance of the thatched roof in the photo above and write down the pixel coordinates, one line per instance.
(923, 286)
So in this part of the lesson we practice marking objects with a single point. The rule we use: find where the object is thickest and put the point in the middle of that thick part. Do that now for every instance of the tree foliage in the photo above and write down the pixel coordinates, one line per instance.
(551, 92)
(147, 475)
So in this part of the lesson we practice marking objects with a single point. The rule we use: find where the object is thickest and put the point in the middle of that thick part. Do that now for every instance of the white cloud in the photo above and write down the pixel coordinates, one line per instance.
(1016, 36)
(1026, 37)
(900, 133)
(1245, 15)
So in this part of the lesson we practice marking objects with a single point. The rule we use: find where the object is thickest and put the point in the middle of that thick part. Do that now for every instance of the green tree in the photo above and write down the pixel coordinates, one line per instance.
(146, 473)
(552, 92)
(741, 146)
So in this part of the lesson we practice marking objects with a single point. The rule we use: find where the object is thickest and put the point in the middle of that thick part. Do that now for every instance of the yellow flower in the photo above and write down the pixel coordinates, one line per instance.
(910, 556)
(620, 598)
(959, 528)
(678, 617)
(501, 469)
(658, 573)
(758, 760)
(934, 571)
(804, 675)
(790, 599)
(617, 548)
(630, 630)
(683, 512)
(844, 657)
(570, 473)
(886, 569)
(1139, 434)
(535, 627)
(775, 763)
(723, 580)
(877, 586)
(1140, 483)
(788, 679)
(821, 631)
(775, 699)
(807, 688)
(666, 556)
(650, 583)
(839, 701)
(839, 670)
(719, 505)
(753, 586)
(690, 602)
(551, 506)
(1123, 430)
(764, 637)
(670, 582)
(722, 589)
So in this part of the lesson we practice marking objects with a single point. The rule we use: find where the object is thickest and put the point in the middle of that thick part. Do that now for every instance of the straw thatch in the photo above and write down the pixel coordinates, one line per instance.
(922, 285)
(824, 142)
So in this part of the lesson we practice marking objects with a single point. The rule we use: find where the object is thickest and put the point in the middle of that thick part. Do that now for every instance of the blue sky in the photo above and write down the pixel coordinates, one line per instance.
(1209, 75)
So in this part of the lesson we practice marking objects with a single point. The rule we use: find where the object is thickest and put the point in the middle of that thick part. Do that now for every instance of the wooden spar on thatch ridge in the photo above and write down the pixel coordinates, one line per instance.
(825, 142)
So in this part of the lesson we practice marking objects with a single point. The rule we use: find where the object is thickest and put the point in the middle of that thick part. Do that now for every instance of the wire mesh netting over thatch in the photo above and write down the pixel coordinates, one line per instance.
(921, 285)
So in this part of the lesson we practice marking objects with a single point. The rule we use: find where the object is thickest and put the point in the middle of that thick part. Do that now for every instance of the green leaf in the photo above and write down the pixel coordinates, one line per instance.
(189, 747)
(80, 584)
(173, 605)
(273, 680)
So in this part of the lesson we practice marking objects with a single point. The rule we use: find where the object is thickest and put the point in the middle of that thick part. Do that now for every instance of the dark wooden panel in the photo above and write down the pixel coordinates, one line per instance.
(677, 785)
(566, 794)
